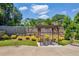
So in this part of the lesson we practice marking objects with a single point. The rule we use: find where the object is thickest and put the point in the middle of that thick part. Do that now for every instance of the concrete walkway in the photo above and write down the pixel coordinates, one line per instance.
(39, 51)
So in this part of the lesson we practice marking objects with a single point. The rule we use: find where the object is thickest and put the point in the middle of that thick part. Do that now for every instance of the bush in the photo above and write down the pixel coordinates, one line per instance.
(67, 34)
(33, 38)
(5, 36)
(77, 36)
(60, 39)
(64, 42)
(76, 41)
(27, 37)
(46, 36)
(20, 38)
(2, 33)
(13, 36)
(39, 39)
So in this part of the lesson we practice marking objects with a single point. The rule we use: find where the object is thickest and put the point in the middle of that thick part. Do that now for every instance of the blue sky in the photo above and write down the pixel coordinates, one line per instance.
(47, 10)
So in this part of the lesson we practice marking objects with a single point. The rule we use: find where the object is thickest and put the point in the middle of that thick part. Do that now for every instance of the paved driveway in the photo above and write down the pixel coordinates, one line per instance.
(39, 51)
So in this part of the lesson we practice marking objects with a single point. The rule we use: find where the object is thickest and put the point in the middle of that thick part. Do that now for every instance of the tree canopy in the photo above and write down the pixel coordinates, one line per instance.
(9, 14)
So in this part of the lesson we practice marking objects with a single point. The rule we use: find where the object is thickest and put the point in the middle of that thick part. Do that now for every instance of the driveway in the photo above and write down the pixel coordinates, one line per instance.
(39, 51)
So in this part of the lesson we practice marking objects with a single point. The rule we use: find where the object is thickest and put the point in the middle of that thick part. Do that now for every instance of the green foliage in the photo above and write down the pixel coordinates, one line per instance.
(58, 18)
(76, 41)
(13, 36)
(33, 39)
(2, 33)
(5, 37)
(34, 22)
(66, 22)
(68, 34)
(70, 30)
(76, 21)
(48, 21)
(64, 42)
(77, 32)
(77, 36)
(9, 15)
(76, 18)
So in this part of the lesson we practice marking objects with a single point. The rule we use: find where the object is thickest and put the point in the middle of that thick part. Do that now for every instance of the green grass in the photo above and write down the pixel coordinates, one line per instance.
(15, 43)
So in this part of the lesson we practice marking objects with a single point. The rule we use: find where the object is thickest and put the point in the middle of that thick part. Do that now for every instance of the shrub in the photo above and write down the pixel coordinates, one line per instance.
(77, 36)
(33, 38)
(64, 42)
(13, 36)
(46, 36)
(39, 39)
(5, 36)
(27, 37)
(68, 33)
(60, 39)
(75, 41)
(2, 33)
(20, 38)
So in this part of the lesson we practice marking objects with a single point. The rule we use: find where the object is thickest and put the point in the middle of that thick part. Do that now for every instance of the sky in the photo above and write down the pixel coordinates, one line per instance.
(47, 10)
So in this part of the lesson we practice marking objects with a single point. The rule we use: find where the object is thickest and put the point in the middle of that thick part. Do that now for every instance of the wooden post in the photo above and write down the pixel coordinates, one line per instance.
(28, 30)
(58, 32)
(52, 33)
(39, 30)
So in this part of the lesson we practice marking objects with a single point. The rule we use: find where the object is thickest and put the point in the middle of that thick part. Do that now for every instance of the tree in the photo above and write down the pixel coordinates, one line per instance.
(70, 31)
(9, 14)
(58, 18)
(76, 18)
(76, 21)
(33, 22)
(48, 21)
(66, 22)
(7, 8)
(17, 16)
(77, 32)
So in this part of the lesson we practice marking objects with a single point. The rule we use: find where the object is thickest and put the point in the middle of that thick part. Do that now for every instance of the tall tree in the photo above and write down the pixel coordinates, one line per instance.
(9, 14)
(76, 21)
(58, 18)
(76, 18)
(66, 22)
(48, 21)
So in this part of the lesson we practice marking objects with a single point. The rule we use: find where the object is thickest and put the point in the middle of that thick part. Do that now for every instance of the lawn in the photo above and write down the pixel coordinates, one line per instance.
(17, 43)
